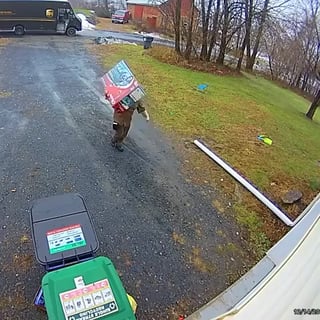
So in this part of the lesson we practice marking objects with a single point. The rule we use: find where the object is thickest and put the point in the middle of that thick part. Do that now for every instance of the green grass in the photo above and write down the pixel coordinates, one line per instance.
(315, 184)
(86, 12)
(253, 224)
(231, 113)
(234, 110)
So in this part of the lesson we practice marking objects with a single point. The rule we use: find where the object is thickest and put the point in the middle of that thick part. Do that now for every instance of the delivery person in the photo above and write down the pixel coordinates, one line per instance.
(122, 120)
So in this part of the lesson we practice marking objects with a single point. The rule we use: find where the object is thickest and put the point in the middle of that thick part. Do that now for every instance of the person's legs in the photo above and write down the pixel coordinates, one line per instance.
(121, 125)
(120, 134)
(126, 130)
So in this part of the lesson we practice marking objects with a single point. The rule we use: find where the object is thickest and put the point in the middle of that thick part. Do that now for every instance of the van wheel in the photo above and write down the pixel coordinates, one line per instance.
(19, 30)
(71, 32)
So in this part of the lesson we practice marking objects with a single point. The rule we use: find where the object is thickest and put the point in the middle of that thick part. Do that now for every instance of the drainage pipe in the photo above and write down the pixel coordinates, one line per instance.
(246, 184)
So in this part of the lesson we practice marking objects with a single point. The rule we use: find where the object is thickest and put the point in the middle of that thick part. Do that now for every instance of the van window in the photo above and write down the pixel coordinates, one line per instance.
(120, 12)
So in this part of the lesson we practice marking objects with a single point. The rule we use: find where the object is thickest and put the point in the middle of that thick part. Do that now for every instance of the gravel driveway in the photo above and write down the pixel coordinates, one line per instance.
(172, 249)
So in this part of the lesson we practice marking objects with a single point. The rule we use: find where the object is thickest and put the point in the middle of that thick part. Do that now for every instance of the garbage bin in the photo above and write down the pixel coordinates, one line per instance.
(147, 41)
(87, 290)
(62, 231)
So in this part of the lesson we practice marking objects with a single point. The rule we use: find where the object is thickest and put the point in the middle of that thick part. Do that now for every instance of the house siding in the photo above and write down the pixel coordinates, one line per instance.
(153, 16)
(149, 14)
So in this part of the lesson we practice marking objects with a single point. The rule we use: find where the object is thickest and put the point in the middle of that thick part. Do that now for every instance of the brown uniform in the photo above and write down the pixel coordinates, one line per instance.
(122, 122)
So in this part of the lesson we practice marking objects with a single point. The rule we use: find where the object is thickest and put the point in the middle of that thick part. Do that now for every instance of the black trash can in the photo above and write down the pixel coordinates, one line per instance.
(147, 41)
(62, 231)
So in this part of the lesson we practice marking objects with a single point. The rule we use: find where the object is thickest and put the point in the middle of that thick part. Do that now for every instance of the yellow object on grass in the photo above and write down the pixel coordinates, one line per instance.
(265, 139)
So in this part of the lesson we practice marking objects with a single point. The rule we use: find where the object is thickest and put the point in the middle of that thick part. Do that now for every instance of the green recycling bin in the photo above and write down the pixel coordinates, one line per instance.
(87, 290)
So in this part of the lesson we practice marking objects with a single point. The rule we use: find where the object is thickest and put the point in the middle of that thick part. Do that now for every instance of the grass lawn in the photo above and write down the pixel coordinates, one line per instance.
(86, 12)
(229, 116)
(106, 24)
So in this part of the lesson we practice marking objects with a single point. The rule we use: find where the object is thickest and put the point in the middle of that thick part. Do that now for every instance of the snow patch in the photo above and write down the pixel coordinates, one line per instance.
(112, 40)
(85, 24)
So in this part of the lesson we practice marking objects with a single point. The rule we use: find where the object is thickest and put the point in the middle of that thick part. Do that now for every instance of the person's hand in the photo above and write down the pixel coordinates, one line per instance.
(145, 114)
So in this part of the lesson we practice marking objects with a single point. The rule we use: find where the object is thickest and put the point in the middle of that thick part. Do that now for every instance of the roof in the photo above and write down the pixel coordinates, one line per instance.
(154, 3)
(277, 289)
(290, 287)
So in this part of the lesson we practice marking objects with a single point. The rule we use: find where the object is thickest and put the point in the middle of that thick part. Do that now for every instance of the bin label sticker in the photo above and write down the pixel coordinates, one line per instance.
(65, 238)
(93, 301)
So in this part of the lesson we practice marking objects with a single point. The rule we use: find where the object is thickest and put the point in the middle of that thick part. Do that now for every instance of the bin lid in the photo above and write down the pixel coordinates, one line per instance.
(148, 38)
(87, 290)
(62, 230)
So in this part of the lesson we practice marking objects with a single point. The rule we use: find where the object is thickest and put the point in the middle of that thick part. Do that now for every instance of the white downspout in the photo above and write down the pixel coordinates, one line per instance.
(246, 184)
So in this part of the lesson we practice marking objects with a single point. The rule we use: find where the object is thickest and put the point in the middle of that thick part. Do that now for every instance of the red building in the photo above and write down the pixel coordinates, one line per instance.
(155, 13)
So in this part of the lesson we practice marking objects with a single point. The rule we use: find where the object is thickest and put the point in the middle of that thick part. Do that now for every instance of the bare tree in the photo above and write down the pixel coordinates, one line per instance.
(214, 29)
(275, 45)
(288, 42)
(248, 16)
(229, 26)
(251, 57)
(205, 18)
(190, 24)
(171, 11)
(255, 15)
(314, 105)
(177, 26)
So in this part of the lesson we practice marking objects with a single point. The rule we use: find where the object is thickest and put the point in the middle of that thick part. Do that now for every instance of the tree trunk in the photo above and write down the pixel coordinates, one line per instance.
(314, 105)
(223, 43)
(298, 80)
(270, 67)
(214, 31)
(239, 64)
(222, 51)
(305, 81)
(204, 46)
(205, 27)
(238, 40)
(177, 27)
(246, 38)
(251, 60)
(249, 29)
(188, 51)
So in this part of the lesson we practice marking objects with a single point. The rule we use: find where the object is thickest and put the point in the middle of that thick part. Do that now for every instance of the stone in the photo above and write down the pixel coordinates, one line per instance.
(291, 196)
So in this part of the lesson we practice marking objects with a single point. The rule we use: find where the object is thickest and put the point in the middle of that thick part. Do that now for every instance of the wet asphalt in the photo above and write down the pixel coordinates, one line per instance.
(161, 232)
